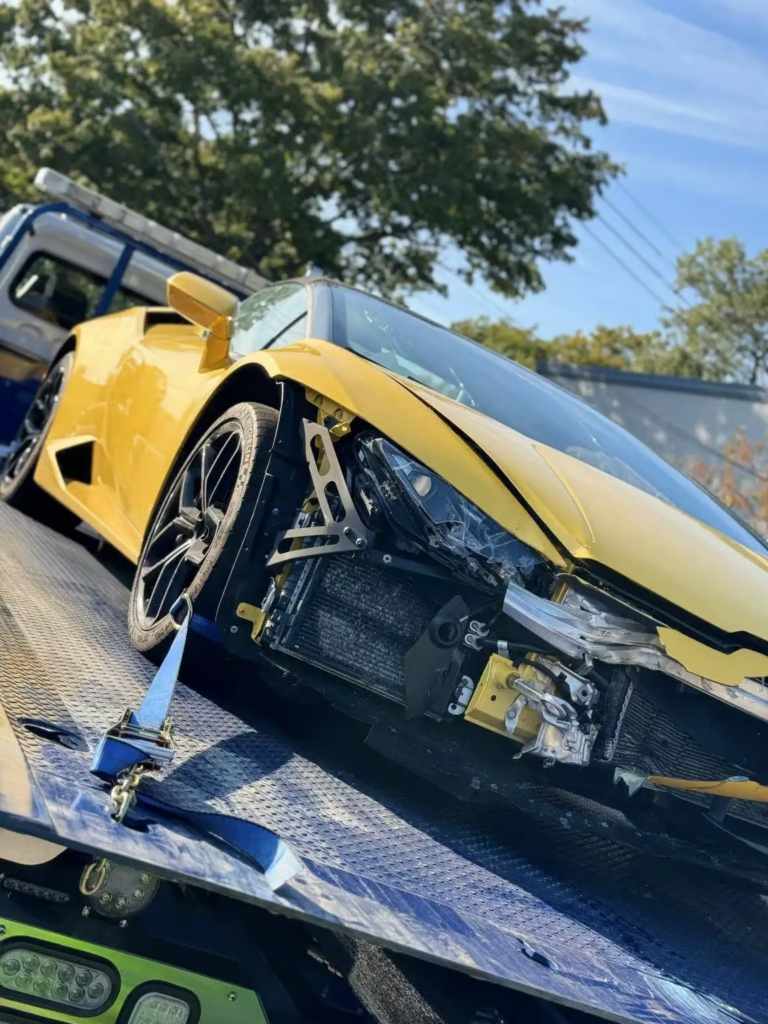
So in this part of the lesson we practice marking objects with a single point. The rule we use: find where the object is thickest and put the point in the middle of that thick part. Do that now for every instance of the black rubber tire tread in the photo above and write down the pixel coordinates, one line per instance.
(24, 494)
(259, 423)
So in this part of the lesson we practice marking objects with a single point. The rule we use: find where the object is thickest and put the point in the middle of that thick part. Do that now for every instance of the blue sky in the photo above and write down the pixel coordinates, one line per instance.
(685, 87)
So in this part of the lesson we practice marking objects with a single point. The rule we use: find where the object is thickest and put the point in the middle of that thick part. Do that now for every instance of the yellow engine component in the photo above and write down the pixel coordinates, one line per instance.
(253, 615)
(331, 415)
(495, 693)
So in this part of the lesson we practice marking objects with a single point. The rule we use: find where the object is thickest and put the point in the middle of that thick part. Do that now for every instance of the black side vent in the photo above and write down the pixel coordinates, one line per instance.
(156, 317)
(76, 463)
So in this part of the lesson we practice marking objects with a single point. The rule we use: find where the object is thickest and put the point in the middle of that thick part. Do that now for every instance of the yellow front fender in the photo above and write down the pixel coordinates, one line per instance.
(381, 400)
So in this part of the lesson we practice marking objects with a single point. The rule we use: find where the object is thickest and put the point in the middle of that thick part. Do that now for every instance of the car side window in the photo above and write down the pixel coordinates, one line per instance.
(57, 291)
(276, 315)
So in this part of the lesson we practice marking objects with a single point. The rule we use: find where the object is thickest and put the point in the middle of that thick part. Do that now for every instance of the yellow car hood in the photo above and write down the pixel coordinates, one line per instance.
(597, 517)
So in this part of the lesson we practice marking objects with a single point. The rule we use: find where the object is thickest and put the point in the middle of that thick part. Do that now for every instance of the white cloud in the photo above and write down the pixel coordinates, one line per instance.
(740, 185)
(738, 11)
(656, 110)
(660, 71)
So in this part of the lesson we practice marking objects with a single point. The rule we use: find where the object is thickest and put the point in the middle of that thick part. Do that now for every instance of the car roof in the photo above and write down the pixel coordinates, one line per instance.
(314, 280)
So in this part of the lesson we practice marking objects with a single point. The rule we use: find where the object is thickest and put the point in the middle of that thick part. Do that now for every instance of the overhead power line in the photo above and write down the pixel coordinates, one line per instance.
(641, 234)
(647, 263)
(623, 263)
(726, 322)
(486, 300)
(652, 217)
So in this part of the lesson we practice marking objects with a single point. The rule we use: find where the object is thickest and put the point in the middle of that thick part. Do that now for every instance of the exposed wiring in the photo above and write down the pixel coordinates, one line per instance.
(540, 667)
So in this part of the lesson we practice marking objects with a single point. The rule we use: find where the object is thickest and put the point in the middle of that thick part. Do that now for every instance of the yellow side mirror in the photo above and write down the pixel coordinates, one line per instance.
(203, 303)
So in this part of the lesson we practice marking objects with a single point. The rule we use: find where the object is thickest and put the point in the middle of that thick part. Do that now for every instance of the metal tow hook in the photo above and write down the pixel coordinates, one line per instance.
(183, 601)
(93, 876)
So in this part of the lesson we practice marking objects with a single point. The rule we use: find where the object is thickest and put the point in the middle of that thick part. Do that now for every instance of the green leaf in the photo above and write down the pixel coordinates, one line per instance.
(361, 137)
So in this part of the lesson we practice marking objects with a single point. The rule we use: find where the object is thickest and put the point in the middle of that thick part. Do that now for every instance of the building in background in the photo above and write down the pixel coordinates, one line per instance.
(716, 433)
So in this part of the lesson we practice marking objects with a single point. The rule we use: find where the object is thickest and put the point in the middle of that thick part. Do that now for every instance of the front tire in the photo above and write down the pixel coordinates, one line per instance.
(17, 471)
(199, 524)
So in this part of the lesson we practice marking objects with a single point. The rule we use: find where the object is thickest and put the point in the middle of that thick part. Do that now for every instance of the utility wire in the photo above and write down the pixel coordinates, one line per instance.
(485, 299)
(641, 234)
(647, 263)
(651, 216)
(622, 263)
(726, 322)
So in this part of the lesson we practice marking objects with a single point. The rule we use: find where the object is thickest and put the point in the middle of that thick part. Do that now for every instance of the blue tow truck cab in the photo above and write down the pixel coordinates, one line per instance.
(78, 256)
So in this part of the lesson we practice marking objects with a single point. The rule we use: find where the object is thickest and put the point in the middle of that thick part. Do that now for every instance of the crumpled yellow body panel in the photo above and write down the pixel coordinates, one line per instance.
(736, 789)
(728, 669)
(598, 517)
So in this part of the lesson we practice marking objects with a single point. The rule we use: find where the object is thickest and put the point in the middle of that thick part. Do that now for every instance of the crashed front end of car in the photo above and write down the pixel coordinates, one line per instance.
(391, 579)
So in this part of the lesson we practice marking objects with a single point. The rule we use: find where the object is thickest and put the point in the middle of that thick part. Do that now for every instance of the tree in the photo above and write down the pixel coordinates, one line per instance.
(360, 136)
(519, 343)
(723, 333)
(618, 347)
(739, 478)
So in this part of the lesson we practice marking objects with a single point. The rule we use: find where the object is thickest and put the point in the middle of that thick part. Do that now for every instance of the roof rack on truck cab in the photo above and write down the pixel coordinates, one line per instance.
(161, 239)
(82, 255)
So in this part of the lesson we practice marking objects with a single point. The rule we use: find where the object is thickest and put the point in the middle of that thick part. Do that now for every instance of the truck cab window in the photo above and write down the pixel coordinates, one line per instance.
(127, 299)
(57, 291)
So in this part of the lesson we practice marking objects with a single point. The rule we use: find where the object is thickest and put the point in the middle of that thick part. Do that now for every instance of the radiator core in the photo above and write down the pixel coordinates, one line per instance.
(358, 622)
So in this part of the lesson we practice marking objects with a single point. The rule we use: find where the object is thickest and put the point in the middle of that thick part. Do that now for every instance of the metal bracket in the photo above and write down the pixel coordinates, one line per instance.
(334, 417)
(339, 536)
(256, 616)
(560, 737)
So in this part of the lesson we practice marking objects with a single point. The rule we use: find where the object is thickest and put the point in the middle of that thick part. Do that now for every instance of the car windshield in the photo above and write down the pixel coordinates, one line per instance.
(477, 377)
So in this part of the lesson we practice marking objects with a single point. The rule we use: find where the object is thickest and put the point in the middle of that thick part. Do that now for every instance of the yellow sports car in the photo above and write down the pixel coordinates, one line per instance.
(431, 536)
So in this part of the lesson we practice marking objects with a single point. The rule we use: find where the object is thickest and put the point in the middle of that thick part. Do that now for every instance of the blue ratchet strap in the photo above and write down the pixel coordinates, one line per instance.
(142, 740)
(273, 855)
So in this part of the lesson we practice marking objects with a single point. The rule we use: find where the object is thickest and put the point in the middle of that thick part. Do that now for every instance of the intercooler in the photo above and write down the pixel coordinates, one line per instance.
(652, 743)
(355, 620)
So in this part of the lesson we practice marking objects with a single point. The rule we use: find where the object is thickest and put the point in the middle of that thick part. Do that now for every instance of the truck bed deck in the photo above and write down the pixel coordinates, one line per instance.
(488, 891)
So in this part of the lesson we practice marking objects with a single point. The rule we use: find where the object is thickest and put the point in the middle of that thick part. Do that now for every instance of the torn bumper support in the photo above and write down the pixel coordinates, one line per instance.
(580, 627)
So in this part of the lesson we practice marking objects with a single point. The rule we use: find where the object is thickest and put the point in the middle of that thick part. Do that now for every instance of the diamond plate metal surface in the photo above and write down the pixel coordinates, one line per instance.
(574, 918)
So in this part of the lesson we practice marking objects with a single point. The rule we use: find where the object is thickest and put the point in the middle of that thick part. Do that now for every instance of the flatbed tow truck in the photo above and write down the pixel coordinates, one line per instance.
(277, 870)
(379, 898)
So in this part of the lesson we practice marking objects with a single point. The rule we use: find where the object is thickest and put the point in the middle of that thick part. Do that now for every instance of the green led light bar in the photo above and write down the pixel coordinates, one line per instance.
(38, 966)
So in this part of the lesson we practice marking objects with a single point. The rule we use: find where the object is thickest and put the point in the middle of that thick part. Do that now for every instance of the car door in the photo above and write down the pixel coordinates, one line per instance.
(160, 389)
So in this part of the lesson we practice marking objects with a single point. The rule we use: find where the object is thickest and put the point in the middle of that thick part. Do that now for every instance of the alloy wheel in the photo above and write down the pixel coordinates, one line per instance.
(34, 426)
(188, 523)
